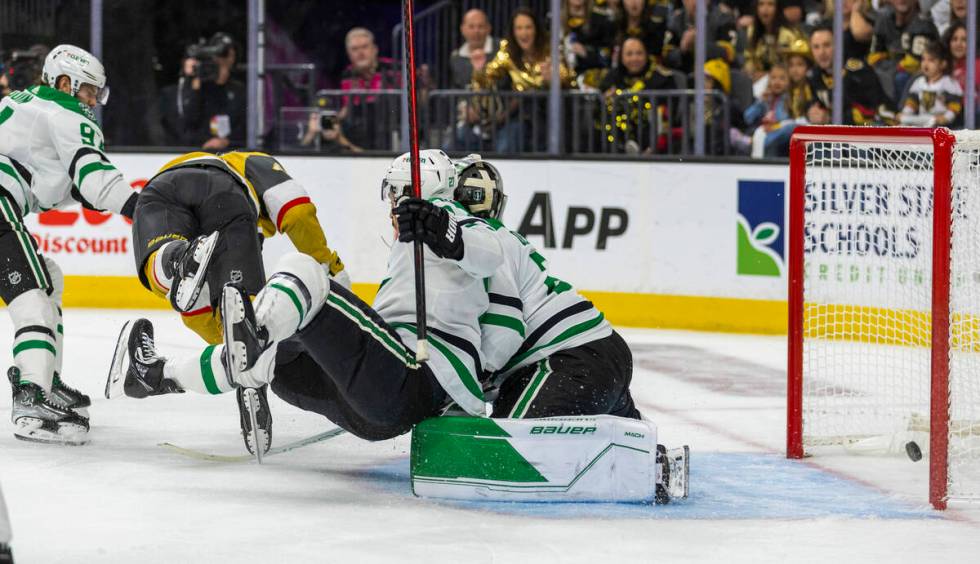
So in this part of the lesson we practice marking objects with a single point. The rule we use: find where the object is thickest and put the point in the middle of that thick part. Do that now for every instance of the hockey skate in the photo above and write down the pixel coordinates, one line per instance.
(189, 266)
(244, 339)
(255, 400)
(136, 370)
(66, 396)
(38, 420)
(675, 474)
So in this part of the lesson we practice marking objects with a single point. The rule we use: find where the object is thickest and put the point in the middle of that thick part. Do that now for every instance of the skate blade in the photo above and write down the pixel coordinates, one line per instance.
(117, 377)
(680, 471)
(232, 312)
(32, 430)
(189, 290)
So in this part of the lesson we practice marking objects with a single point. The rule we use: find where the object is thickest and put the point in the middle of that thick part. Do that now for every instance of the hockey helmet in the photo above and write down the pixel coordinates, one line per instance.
(481, 188)
(437, 173)
(78, 65)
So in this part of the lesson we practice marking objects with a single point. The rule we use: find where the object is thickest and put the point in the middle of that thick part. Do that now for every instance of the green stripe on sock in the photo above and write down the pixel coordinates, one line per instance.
(293, 297)
(207, 373)
(28, 345)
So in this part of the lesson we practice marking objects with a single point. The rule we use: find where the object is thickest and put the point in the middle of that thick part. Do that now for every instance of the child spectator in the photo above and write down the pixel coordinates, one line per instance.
(934, 98)
(798, 62)
(772, 115)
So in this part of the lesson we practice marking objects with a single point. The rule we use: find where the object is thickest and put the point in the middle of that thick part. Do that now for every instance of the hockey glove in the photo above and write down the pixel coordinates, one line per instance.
(419, 220)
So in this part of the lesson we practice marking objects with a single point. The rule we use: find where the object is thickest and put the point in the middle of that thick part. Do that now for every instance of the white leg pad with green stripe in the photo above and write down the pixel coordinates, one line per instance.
(35, 319)
(57, 290)
(292, 296)
(204, 373)
(596, 458)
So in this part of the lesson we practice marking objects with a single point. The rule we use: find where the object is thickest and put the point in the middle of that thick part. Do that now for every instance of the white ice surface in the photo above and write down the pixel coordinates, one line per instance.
(123, 499)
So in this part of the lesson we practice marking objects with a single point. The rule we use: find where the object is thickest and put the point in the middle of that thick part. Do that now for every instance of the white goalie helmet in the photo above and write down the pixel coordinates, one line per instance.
(80, 66)
(437, 172)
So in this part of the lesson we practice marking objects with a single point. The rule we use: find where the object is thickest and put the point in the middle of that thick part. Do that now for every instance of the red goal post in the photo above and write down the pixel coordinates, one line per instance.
(868, 345)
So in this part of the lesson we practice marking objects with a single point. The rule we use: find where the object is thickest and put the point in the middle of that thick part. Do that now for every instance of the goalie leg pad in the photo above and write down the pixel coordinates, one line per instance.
(598, 458)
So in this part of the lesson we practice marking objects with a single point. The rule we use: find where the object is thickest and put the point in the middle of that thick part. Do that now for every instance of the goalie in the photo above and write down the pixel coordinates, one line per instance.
(351, 363)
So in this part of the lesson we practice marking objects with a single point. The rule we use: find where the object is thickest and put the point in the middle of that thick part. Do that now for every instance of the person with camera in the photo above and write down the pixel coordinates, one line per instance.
(52, 154)
(210, 102)
(323, 131)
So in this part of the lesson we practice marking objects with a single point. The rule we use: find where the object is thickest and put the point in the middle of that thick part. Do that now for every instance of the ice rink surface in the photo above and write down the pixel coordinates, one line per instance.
(124, 499)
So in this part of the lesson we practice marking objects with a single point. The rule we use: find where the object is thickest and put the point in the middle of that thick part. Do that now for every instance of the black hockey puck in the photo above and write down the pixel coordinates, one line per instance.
(913, 450)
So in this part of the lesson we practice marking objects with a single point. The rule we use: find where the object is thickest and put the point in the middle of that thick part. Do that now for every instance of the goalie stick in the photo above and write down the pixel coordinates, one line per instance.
(201, 455)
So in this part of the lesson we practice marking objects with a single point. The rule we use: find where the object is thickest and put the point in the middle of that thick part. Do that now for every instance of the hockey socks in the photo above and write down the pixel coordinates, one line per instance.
(292, 296)
(35, 321)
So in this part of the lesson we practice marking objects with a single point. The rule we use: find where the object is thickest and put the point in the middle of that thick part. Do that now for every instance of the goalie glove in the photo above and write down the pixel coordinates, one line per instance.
(419, 220)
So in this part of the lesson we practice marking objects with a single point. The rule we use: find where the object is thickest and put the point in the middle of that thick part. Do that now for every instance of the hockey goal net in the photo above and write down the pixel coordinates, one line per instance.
(884, 297)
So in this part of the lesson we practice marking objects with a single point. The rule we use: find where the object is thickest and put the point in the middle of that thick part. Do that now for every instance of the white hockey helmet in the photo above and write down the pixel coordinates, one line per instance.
(78, 65)
(437, 172)
(480, 187)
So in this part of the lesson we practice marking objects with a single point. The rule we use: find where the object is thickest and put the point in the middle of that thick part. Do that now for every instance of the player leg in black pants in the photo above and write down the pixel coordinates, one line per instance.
(350, 366)
(591, 379)
(180, 205)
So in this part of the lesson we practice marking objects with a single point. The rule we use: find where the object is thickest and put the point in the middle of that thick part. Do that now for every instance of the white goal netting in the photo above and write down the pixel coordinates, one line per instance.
(867, 292)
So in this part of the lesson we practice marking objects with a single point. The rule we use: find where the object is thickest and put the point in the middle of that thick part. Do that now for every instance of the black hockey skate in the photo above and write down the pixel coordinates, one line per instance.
(136, 370)
(244, 339)
(66, 396)
(6, 554)
(255, 400)
(187, 265)
(38, 420)
(675, 474)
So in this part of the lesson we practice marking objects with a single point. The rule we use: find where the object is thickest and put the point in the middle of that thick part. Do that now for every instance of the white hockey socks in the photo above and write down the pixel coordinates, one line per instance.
(58, 288)
(35, 319)
(206, 374)
(292, 296)
(5, 530)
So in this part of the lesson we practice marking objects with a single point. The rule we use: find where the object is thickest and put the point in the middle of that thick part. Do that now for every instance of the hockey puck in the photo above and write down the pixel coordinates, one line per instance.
(913, 450)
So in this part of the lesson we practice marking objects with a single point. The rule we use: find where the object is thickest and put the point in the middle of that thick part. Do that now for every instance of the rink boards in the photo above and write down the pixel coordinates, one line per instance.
(679, 245)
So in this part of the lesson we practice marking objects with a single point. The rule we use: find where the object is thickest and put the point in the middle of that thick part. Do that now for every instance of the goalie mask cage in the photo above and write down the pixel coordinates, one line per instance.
(884, 296)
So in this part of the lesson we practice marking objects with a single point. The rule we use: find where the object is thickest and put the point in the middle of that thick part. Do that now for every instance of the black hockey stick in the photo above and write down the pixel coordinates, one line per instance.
(422, 347)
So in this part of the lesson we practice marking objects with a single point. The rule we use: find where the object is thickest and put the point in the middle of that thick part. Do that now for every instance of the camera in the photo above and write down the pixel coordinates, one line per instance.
(207, 54)
(328, 119)
(23, 67)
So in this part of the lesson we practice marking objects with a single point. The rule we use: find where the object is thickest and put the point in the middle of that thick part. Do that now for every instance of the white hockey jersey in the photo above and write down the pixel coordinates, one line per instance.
(532, 314)
(56, 151)
(456, 298)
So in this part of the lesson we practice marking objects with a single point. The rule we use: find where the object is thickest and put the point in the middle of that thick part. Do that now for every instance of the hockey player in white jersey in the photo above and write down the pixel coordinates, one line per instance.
(337, 356)
(51, 154)
(551, 351)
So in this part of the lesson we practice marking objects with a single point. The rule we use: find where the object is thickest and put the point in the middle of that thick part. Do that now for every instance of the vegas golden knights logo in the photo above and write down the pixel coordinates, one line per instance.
(928, 100)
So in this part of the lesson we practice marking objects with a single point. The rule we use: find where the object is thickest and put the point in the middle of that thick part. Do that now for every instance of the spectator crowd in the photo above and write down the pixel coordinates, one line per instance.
(625, 67)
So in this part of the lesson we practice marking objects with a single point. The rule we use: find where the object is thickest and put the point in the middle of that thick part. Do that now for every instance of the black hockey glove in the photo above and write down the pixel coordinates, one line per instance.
(419, 220)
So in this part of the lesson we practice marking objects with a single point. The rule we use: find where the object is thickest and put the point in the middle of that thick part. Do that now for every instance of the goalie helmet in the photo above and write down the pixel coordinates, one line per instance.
(80, 66)
(481, 189)
(437, 172)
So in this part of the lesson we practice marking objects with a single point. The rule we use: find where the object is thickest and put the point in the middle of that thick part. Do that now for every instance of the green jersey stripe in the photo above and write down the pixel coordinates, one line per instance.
(465, 376)
(90, 168)
(564, 336)
(207, 371)
(501, 320)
